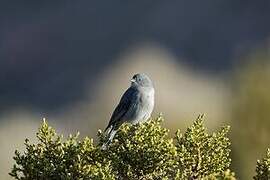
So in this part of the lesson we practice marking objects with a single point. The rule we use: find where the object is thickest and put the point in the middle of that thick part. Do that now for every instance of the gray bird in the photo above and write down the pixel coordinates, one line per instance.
(136, 105)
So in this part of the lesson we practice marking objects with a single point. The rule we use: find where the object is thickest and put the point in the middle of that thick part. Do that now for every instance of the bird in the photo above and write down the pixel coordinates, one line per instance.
(136, 105)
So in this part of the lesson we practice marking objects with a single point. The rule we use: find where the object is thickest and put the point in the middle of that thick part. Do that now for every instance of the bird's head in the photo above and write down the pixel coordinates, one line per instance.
(141, 80)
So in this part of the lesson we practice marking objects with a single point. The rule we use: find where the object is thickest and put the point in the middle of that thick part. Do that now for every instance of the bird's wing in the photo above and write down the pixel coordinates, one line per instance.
(127, 101)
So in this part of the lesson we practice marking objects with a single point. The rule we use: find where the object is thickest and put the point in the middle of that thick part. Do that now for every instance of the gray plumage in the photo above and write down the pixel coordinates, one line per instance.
(136, 105)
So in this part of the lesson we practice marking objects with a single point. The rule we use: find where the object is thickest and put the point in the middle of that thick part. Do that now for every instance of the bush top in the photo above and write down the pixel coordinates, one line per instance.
(142, 151)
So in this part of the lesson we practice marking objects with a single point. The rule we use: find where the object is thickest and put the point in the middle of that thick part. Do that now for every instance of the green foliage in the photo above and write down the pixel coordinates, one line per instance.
(263, 168)
(201, 154)
(55, 158)
(142, 151)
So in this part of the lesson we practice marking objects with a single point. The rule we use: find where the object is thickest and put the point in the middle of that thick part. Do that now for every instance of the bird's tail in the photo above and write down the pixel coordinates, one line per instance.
(110, 135)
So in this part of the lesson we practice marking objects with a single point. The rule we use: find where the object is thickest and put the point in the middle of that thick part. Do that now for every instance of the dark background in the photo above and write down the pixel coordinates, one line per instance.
(70, 61)
(48, 49)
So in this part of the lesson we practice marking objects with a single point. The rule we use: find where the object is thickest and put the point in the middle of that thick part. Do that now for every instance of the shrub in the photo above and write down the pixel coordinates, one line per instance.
(55, 158)
(263, 168)
(142, 151)
(202, 155)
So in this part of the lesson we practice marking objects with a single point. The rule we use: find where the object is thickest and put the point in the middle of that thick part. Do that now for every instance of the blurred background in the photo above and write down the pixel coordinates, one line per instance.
(70, 62)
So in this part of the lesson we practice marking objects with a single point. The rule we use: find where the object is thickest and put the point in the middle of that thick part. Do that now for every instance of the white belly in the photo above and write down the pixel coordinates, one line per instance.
(147, 108)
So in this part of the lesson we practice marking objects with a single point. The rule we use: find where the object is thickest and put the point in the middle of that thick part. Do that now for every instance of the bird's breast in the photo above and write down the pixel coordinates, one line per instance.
(148, 104)
(147, 96)
(142, 109)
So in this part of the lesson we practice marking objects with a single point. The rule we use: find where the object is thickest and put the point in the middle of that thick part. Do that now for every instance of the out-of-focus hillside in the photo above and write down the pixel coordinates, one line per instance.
(180, 92)
(250, 113)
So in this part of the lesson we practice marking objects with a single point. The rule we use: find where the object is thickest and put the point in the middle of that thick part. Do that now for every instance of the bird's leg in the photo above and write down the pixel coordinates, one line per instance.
(112, 133)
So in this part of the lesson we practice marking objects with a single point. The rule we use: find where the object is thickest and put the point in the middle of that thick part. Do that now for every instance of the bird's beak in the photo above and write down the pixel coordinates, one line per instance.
(132, 80)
